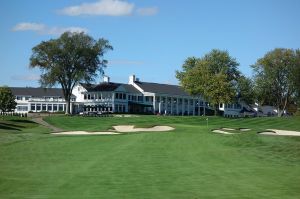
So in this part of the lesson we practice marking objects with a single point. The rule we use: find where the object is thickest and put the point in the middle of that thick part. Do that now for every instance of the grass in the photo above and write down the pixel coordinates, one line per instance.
(189, 162)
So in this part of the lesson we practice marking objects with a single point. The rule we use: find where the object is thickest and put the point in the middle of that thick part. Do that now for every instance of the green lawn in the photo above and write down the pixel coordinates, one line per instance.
(189, 162)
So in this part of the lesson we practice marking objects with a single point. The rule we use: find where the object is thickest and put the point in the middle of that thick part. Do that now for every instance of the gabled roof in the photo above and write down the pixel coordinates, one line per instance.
(161, 88)
(38, 92)
(109, 86)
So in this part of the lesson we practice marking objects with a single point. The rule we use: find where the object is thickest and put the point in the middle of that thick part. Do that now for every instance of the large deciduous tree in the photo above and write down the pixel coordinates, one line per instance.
(213, 76)
(275, 78)
(71, 58)
(7, 100)
(245, 89)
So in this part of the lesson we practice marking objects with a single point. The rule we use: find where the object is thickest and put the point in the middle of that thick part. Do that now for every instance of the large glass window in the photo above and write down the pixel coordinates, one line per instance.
(44, 107)
(60, 107)
(38, 107)
(49, 107)
(19, 97)
(22, 108)
(140, 98)
(32, 107)
(54, 107)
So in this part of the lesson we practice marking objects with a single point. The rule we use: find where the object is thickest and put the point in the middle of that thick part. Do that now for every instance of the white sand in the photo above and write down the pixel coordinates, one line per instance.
(245, 129)
(220, 131)
(281, 132)
(85, 133)
(121, 128)
(130, 128)
(228, 129)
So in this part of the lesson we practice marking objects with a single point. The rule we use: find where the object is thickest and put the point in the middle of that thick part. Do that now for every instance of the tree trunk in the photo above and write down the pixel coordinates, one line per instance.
(68, 107)
(215, 110)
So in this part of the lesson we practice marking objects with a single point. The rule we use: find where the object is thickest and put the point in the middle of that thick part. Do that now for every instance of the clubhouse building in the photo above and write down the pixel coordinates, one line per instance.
(134, 97)
(39, 99)
(137, 97)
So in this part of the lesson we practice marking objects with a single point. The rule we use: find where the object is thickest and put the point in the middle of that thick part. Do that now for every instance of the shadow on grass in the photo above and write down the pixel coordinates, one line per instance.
(9, 127)
(23, 121)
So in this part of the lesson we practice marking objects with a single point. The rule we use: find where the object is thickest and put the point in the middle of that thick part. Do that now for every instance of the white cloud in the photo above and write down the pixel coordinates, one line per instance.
(29, 26)
(102, 7)
(46, 30)
(29, 77)
(147, 11)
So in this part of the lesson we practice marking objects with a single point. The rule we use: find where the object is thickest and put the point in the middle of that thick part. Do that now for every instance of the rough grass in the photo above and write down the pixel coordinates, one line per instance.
(189, 162)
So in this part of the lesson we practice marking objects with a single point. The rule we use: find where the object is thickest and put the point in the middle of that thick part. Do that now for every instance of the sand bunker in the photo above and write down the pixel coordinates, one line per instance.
(85, 133)
(130, 128)
(120, 128)
(224, 130)
(220, 131)
(280, 132)
(228, 129)
(244, 129)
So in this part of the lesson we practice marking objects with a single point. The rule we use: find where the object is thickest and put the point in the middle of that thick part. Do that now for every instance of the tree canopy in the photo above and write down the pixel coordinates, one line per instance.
(213, 76)
(7, 100)
(71, 58)
(276, 78)
(245, 90)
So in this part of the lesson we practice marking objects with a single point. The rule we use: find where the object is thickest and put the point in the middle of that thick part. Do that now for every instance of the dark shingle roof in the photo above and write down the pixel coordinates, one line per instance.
(162, 88)
(109, 86)
(38, 92)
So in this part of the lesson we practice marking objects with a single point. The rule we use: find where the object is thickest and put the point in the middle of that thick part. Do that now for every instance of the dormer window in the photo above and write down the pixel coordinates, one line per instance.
(19, 97)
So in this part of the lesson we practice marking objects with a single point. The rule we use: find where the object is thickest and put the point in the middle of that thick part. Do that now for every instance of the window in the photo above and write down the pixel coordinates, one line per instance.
(44, 107)
(26, 98)
(140, 98)
(60, 107)
(85, 96)
(38, 107)
(22, 108)
(117, 96)
(54, 107)
(221, 105)
(32, 107)
(49, 107)
(133, 98)
(124, 96)
(89, 96)
(19, 97)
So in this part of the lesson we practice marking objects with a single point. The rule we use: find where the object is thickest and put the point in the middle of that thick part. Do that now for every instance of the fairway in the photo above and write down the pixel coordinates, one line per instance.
(188, 162)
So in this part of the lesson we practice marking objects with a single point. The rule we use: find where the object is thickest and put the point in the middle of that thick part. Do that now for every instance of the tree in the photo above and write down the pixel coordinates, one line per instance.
(7, 100)
(296, 76)
(275, 78)
(245, 89)
(212, 76)
(71, 58)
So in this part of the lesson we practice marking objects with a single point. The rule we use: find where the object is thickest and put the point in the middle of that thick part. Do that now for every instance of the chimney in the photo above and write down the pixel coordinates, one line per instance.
(131, 79)
(106, 79)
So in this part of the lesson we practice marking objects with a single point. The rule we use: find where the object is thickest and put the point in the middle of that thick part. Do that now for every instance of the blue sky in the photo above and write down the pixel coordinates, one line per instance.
(150, 38)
